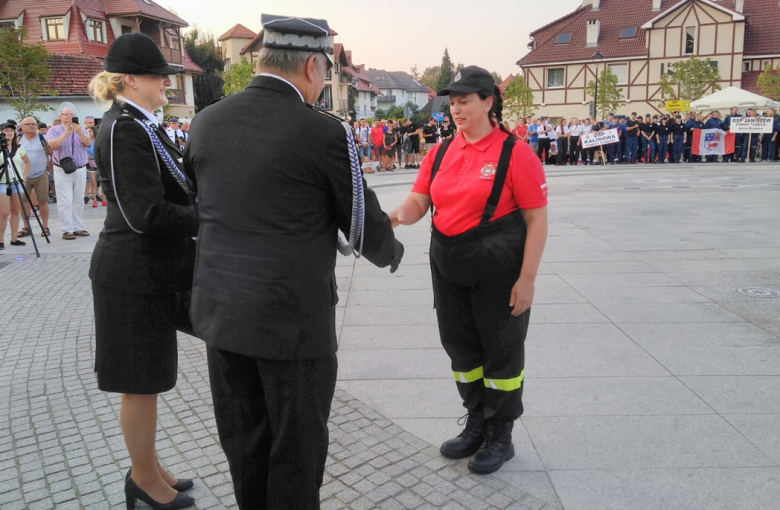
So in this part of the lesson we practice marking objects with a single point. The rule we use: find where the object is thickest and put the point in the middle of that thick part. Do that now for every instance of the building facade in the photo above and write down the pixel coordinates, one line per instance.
(232, 42)
(639, 40)
(78, 33)
(397, 89)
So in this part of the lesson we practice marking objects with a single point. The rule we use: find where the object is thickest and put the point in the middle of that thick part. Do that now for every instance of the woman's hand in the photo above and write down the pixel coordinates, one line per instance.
(394, 220)
(522, 296)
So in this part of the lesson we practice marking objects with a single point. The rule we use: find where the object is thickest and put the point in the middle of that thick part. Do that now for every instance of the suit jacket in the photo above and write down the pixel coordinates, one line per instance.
(146, 244)
(274, 188)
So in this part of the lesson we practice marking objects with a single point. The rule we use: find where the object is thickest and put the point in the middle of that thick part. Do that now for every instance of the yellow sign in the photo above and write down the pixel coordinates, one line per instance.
(677, 106)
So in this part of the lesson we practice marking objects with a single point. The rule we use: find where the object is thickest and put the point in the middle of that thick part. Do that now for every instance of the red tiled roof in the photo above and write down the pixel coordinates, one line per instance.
(763, 27)
(71, 74)
(238, 31)
(614, 15)
(431, 92)
(750, 82)
(504, 84)
(188, 64)
(144, 7)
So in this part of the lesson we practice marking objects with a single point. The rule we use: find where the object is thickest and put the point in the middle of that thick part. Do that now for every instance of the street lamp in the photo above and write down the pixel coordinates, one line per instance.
(596, 58)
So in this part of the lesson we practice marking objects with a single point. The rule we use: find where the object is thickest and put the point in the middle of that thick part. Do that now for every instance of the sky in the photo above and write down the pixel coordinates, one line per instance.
(398, 34)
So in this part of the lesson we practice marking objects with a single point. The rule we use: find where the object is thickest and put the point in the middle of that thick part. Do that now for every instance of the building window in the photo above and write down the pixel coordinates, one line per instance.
(126, 29)
(174, 43)
(745, 67)
(328, 74)
(55, 29)
(326, 99)
(628, 33)
(8, 24)
(621, 72)
(95, 30)
(690, 37)
(227, 65)
(714, 64)
(563, 39)
(555, 78)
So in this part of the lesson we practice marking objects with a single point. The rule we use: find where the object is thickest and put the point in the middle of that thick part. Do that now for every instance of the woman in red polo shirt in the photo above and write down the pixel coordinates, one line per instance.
(489, 232)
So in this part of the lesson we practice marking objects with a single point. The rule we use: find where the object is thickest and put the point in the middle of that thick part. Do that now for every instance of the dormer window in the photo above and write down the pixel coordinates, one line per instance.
(95, 31)
(563, 39)
(55, 29)
(628, 33)
(174, 42)
(7, 23)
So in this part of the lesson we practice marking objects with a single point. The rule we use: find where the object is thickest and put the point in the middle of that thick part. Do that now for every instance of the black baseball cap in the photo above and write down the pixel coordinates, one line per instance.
(137, 53)
(469, 80)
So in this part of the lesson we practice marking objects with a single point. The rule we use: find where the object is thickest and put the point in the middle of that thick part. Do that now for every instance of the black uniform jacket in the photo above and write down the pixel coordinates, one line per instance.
(145, 245)
(274, 187)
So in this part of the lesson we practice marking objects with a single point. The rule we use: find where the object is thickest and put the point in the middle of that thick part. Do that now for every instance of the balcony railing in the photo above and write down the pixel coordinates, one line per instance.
(171, 55)
(385, 99)
(175, 96)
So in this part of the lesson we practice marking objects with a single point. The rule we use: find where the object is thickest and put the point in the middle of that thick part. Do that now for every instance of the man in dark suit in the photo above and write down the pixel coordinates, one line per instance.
(275, 187)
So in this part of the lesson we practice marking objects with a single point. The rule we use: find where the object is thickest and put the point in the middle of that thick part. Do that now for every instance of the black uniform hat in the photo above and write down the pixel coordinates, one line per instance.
(137, 53)
(470, 79)
(291, 33)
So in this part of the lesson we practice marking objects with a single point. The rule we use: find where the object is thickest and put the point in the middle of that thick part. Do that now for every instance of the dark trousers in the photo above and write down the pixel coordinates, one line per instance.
(272, 418)
(678, 148)
(574, 149)
(473, 276)
(544, 145)
(663, 148)
(768, 147)
(749, 145)
(632, 147)
(563, 149)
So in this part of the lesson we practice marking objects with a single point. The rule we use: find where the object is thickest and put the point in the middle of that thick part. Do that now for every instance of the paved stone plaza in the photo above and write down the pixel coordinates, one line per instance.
(651, 382)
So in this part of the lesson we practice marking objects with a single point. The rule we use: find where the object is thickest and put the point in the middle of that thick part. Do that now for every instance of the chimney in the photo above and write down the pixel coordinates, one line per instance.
(739, 6)
(593, 3)
(656, 5)
(594, 27)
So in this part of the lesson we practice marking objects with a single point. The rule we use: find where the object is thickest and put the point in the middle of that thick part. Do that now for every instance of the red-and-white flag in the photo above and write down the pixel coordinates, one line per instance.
(712, 142)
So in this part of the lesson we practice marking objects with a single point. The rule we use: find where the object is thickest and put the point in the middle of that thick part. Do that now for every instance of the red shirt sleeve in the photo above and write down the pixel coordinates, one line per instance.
(526, 178)
(422, 184)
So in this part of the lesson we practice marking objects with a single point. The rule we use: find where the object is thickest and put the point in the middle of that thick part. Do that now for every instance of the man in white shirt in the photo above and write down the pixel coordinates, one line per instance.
(173, 131)
(543, 130)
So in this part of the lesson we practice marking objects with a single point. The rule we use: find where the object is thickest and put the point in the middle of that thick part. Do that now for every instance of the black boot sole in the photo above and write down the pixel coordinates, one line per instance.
(480, 470)
(459, 455)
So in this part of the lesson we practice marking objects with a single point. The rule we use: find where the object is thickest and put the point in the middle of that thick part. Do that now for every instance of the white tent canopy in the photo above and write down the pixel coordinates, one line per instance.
(733, 96)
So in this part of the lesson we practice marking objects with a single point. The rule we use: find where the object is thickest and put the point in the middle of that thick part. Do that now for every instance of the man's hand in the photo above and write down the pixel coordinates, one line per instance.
(74, 128)
(522, 297)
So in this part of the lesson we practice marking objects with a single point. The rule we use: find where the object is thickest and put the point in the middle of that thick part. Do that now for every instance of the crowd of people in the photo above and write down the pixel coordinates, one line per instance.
(37, 148)
(655, 139)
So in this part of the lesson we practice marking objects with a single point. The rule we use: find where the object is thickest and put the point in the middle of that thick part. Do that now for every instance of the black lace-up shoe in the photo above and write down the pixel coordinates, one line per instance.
(468, 441)
(497, 450)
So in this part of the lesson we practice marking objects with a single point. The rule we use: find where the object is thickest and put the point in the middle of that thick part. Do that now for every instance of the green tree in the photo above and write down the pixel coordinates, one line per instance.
(380, 114)
(689, 79)
(769, 82)
(209, 85)
(239, 76)
(24, 72)
(396, 112)
(518, 99)
(446, 71)
(610, 95)
(430, 76)
(413, 107)
(497, 78)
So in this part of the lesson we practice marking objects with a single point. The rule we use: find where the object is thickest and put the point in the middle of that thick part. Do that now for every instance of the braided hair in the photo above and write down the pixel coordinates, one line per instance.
(495, 113)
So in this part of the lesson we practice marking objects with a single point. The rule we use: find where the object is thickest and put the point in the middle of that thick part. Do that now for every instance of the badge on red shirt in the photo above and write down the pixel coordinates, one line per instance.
(488, 170)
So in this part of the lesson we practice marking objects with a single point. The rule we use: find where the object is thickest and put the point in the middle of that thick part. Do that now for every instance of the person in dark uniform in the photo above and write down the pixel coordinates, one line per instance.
(734, 156)
(489, 232)
(141, 268)
(264, 290)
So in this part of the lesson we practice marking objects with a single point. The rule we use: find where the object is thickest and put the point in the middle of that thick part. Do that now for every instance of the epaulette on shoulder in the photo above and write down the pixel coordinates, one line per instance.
(124, 117)
(326, 114)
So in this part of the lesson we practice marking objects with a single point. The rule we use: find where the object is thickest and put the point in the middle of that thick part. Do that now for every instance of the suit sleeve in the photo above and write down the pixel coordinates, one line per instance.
(139, 189)
(379, 244)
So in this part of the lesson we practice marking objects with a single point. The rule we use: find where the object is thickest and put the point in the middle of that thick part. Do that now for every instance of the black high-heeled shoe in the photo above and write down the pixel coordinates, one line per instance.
(182, 484)
(133, 492)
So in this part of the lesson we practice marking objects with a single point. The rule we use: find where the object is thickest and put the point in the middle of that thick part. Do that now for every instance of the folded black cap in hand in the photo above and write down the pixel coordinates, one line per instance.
(398, 254)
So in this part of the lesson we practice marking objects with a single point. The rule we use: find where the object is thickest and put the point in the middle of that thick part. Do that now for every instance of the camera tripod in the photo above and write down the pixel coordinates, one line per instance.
(12, 182)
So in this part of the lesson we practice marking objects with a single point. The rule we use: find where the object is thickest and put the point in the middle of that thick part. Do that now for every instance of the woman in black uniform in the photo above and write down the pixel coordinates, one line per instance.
(489, 232)
(142, 265)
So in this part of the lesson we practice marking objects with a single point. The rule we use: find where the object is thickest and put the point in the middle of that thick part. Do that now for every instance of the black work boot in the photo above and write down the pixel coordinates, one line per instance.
(497, 450)
(468, 441)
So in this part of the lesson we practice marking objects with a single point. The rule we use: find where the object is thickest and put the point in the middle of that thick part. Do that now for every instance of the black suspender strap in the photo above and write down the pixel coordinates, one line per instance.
(498, 183)
(439, 156)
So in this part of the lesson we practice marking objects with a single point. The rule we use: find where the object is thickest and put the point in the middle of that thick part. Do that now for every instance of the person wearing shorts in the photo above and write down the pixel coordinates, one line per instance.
(37, 179)
(378, 139)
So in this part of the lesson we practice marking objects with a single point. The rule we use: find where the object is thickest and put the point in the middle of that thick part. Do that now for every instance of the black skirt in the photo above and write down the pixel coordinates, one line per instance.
(135, 334)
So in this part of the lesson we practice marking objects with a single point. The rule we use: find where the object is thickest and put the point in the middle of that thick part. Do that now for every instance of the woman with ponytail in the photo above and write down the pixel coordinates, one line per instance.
(488, 236)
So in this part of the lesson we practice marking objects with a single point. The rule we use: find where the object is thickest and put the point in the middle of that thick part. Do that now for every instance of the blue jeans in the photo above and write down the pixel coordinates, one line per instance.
(663, 148)
(678, 148)
(768, 147)
(648, 155)
(632, 143)
(749, 145)
(364, 152)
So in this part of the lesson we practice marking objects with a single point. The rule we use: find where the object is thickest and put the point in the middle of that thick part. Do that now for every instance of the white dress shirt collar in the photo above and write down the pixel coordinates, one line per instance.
(152, 117)
(270, 75)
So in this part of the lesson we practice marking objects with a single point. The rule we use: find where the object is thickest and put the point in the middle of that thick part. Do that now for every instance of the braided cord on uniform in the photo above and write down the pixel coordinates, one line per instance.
(358, 199)
(182, 180)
